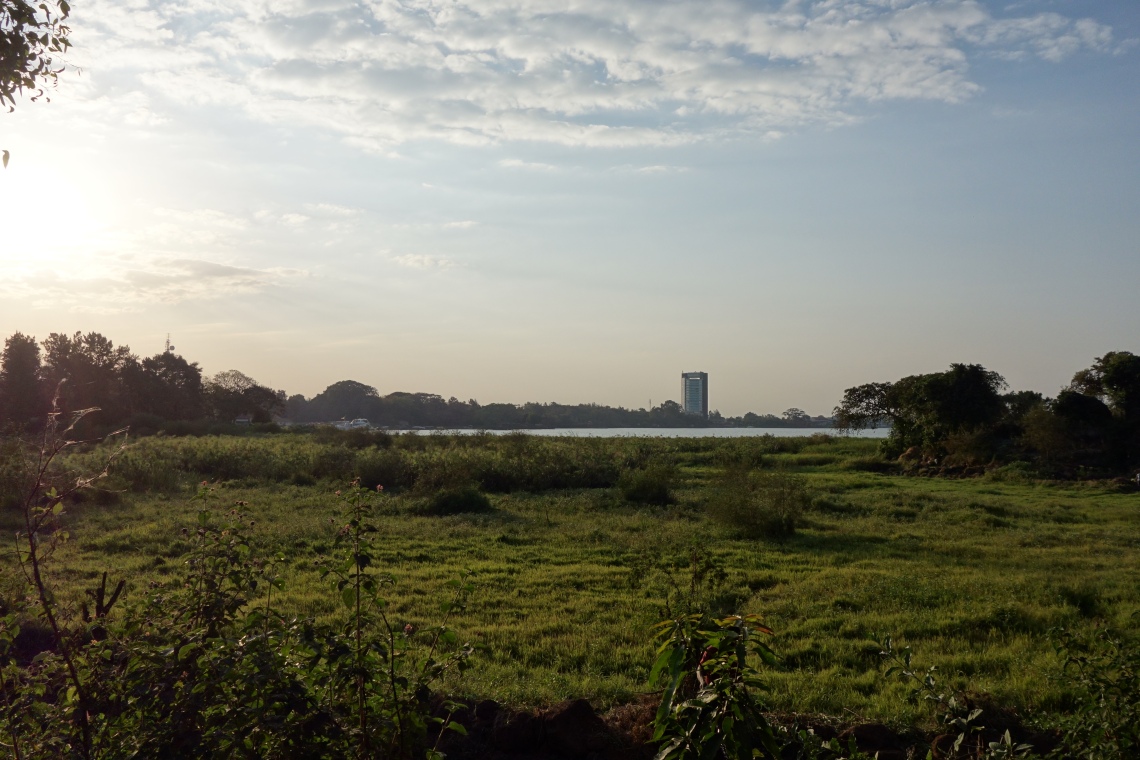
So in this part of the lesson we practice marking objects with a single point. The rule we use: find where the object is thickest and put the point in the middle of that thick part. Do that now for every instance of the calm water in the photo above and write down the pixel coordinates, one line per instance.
(665, 432)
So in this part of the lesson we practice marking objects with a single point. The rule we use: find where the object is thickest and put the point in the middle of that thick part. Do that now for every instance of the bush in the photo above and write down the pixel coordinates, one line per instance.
(653, 485)
(458, 501)
(970, 447)
(1104, 668)
(870, 464)
(384, 467)
(759, 504)
(12, 473)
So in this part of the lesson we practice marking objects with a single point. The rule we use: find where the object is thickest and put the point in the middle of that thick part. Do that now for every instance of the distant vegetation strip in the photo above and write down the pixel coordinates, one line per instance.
(168, 392)
(960, 420)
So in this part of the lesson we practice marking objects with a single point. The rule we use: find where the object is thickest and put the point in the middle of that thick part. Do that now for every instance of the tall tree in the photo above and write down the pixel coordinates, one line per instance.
(231, 394)
(345, 399)
(925, 410)
(1115, 379)
(167, 386)
(22, 398)
(91, 369)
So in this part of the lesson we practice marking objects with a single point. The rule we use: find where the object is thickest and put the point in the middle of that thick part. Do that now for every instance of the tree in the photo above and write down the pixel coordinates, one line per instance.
(345, 399)
(31, 36)
(22, 397)
(1115, 379)
(925, 410)
(866, 406)
(91, 368)
(796, 416)
(231, 394)
(165, 385)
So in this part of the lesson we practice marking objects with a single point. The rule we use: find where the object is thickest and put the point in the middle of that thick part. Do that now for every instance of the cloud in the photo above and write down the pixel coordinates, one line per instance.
(125, 285)
(331, 210)
(422, 261)
(466, 224)
(606, 73)
(651, 169)
(515, 163)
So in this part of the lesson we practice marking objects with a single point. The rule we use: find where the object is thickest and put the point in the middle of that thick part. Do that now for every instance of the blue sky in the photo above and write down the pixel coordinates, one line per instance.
(516, 200)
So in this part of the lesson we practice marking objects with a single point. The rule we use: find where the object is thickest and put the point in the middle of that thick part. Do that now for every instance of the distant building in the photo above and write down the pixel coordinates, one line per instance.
(695, 393)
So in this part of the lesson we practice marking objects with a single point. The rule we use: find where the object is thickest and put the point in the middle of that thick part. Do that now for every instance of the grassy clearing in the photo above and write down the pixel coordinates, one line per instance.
(971, 573)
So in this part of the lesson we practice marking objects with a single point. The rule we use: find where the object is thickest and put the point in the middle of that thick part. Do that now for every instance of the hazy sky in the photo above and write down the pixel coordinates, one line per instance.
(577, 200)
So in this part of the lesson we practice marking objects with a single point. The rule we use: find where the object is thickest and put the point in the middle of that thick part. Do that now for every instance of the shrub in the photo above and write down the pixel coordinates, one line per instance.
(759, 504)
(384, 467)
(457, 501)
(870, 464)
(1105, 669)
(969, 447)
(12, 473)
(653, 485)
(207, 667)
(711, 705)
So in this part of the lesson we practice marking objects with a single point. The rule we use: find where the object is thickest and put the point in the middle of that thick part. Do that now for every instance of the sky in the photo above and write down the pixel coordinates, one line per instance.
(577, 200)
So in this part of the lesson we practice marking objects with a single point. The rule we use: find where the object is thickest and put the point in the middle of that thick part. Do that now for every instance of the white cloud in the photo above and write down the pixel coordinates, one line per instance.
(331, 209)
(125, 285)
(466, 224)
(422, 261)
(516, 163)
(575, 72)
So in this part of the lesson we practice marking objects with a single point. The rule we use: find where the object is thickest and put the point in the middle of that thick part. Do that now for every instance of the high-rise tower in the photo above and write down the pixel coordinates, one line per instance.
(695, 393)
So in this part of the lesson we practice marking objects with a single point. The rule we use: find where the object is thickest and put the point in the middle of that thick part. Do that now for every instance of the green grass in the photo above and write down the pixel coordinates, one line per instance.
(970, 573)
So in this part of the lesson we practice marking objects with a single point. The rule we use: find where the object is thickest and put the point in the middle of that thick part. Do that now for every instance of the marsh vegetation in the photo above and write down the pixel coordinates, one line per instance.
(577, 547)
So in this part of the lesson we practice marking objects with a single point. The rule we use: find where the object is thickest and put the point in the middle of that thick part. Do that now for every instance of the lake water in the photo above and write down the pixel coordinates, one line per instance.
(665, 432)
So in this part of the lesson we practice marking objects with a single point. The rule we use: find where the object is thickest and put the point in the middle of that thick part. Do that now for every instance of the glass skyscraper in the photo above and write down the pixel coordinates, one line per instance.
(695, 393)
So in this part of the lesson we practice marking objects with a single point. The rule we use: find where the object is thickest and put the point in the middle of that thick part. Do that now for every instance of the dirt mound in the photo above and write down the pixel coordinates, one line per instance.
(567, 731)
(574, 731)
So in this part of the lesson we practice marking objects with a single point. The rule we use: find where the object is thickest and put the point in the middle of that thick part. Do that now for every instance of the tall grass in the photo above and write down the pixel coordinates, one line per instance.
(971, 572)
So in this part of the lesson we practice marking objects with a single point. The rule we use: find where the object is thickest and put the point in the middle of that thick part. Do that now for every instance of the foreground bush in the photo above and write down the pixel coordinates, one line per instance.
(1105, 669)
(206, 666)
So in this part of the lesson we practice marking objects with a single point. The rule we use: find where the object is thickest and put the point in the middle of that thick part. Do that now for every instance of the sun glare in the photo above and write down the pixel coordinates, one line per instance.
(47, 222)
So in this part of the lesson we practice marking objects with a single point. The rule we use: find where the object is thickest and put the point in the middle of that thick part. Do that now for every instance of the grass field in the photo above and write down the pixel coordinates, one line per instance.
(971, 573)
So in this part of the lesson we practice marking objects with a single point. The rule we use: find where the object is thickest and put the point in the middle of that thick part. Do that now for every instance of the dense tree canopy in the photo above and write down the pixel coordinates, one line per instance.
(962, 416)
(166, 385)
(232, 394)
(924, 410)
(88, 369)
(22, 397)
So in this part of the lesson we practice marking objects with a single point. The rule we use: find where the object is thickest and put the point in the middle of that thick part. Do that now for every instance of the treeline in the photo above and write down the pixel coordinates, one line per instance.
(166, 391)
(83, 371)
(966, 416)
(349, 400)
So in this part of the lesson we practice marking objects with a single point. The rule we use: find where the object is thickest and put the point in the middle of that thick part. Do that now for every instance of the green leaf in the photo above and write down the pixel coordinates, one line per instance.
(457, 728)
(348, 596)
